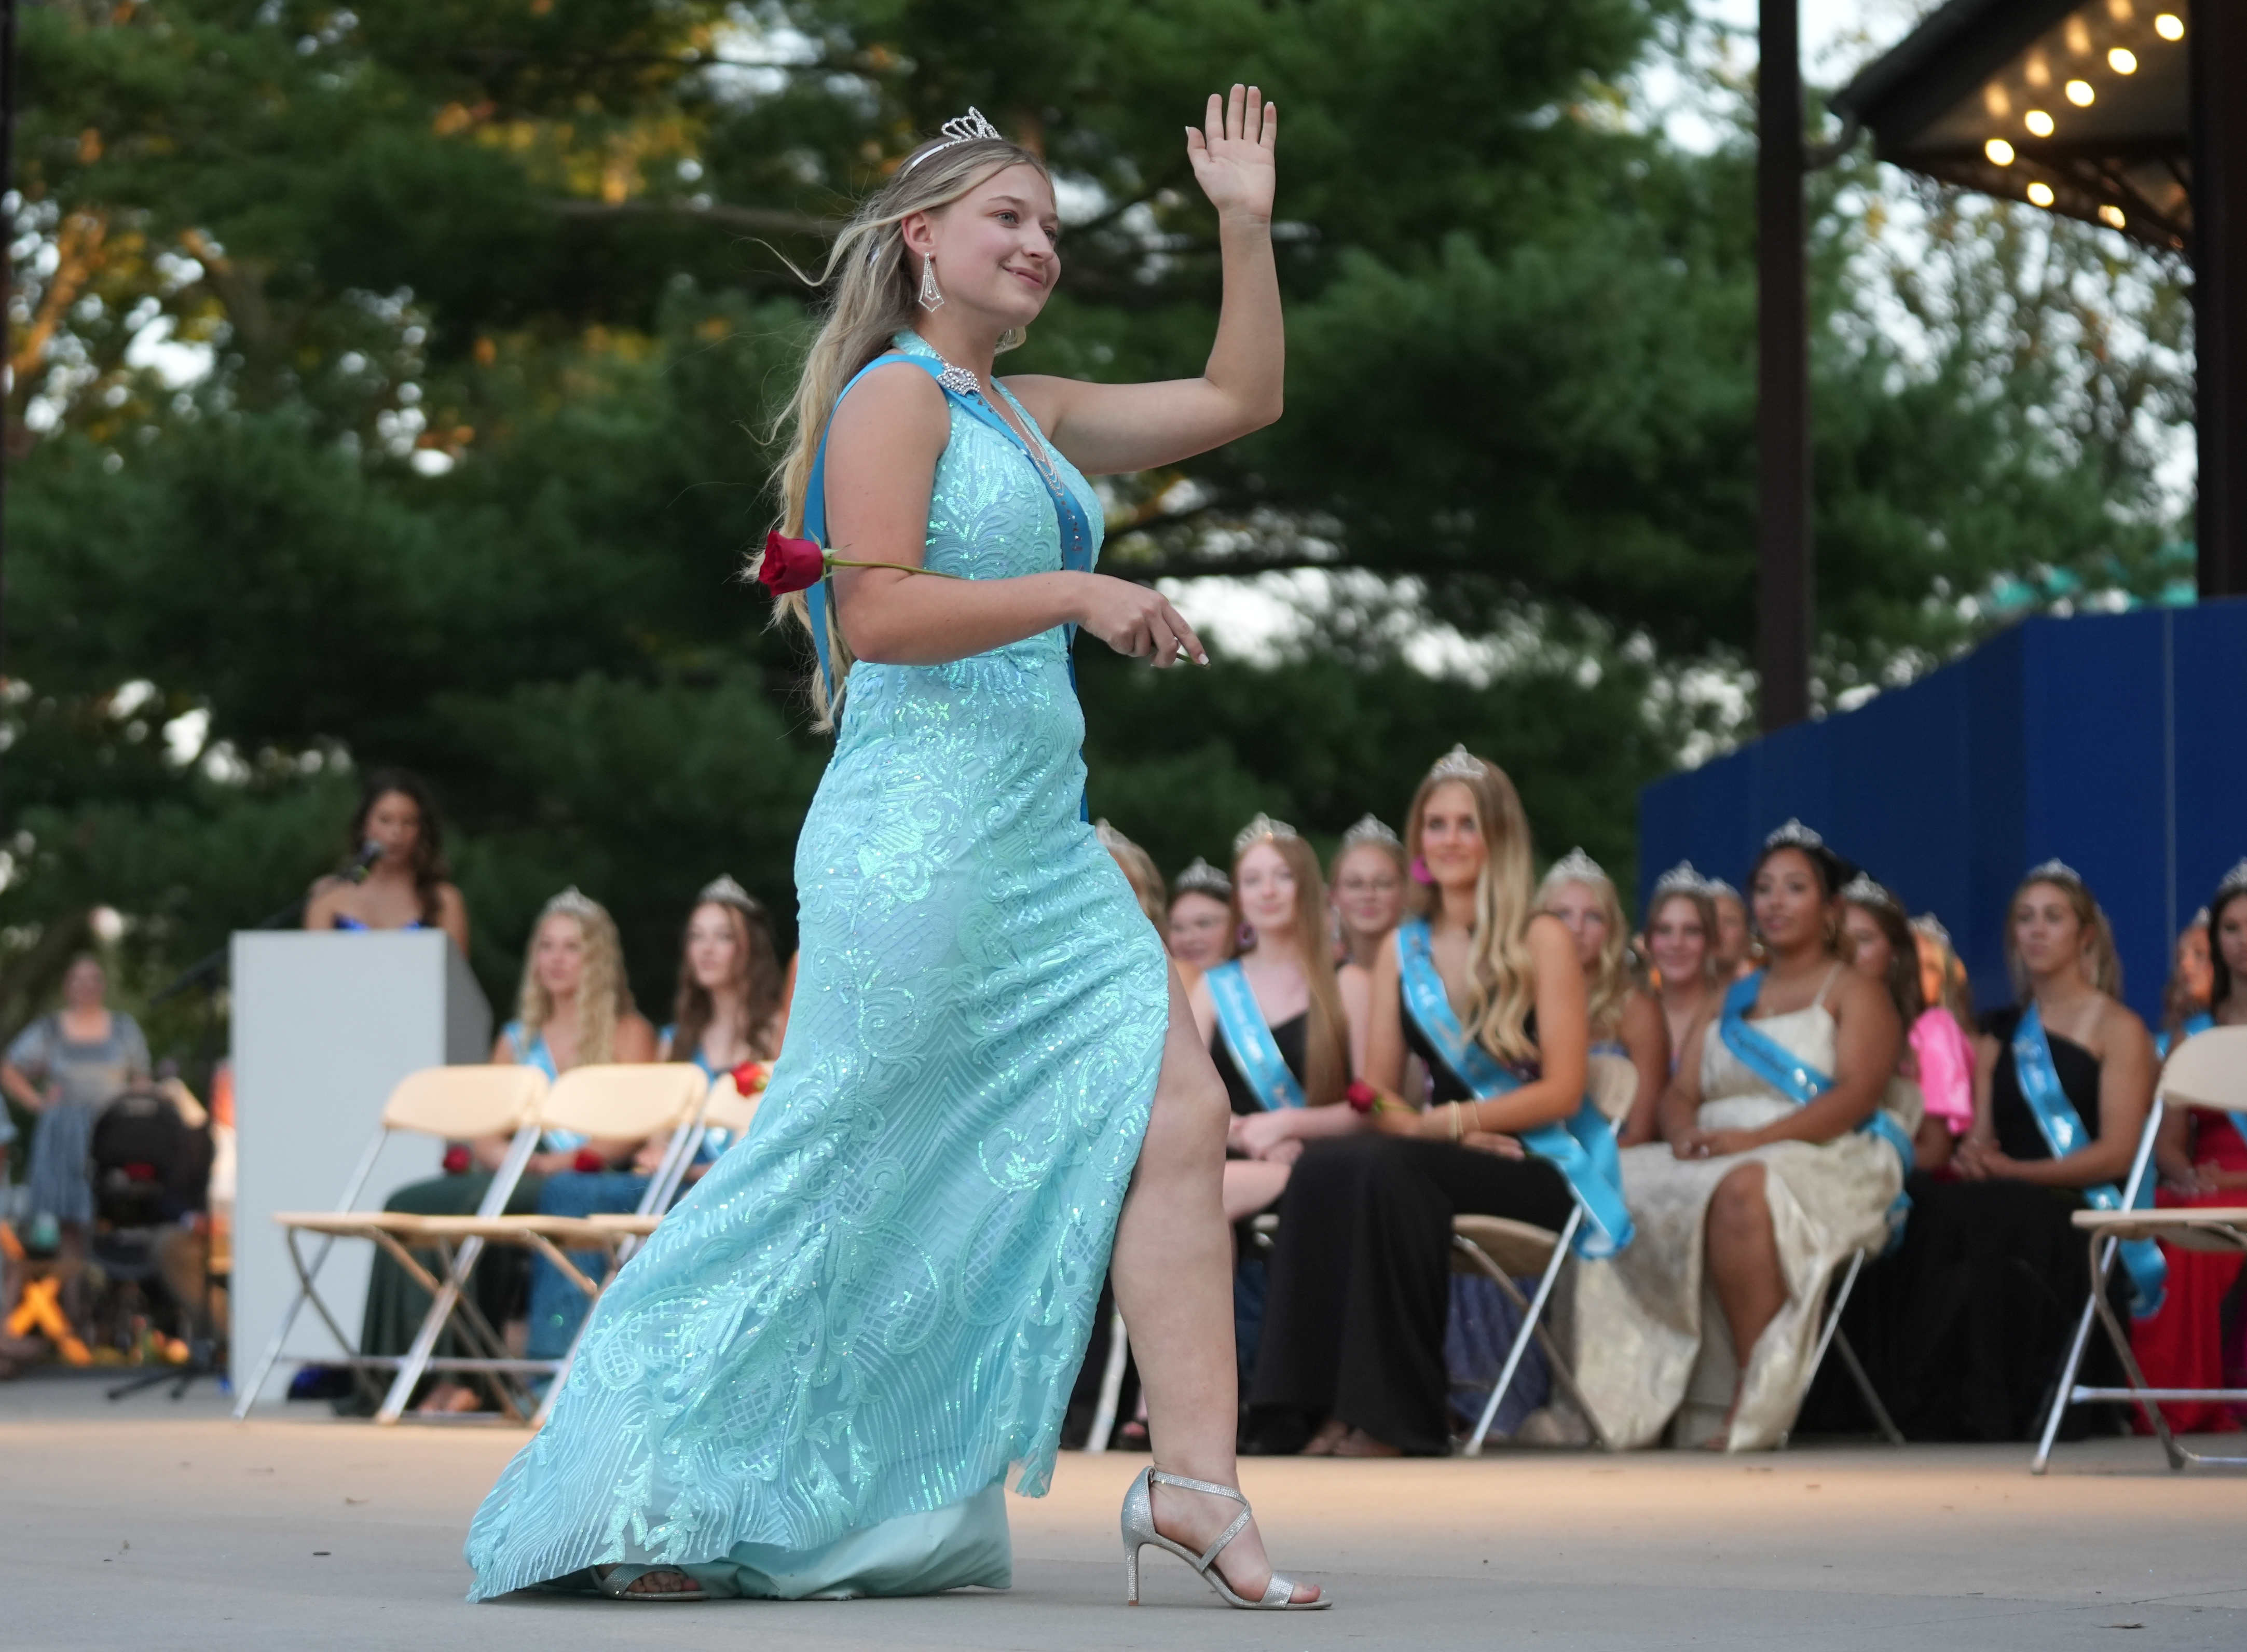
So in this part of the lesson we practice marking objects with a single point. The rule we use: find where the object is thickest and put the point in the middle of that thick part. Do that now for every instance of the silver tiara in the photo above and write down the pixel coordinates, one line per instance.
(967, 128)
(1262, 829)
(1794, 835)
(1681, 879)
(1371, 831)
(1202, 878)
(2054, 870)
(1459, 763)
(723, 890)
(1863, 891)
(1719, 890)
(1576, 867)
(1928, 925)
(576, 905)
(2234, 881)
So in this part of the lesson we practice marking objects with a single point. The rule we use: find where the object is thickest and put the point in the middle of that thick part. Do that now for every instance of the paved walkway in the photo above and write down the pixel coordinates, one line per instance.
(156, 1525)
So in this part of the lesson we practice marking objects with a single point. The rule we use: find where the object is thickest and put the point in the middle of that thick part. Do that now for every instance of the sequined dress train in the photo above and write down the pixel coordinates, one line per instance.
(814, 1379)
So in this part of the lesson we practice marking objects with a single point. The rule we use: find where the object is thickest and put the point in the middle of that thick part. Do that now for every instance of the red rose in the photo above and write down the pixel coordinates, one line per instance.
(1361, 1097)
(588, 1161)
(751, 1076)
(790, 564)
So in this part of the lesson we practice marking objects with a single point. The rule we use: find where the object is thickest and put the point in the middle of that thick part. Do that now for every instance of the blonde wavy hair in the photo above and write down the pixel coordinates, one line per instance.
(872, 290)
(604, 999)
(1609, 983)
(1502, 976)
(1325, 1034)
(2102, 965)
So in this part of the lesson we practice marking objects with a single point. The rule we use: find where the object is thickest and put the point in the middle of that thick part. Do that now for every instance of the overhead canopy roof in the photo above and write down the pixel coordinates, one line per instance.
(2080, 106)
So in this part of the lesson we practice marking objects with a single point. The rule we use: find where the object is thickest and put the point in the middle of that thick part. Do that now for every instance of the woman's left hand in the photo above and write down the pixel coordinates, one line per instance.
(1260, 1135)
(1491, 1142)
(1231, 154)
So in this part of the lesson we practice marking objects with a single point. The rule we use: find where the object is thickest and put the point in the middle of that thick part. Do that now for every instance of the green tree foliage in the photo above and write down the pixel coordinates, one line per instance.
(487, 304)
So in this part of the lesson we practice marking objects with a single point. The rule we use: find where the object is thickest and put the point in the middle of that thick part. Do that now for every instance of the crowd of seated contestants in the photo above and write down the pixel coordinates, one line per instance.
(1796, 1074)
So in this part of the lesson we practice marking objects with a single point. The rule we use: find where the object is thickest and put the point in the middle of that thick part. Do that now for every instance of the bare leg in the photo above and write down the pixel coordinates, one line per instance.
(1744, 1268)
(1173, 1284)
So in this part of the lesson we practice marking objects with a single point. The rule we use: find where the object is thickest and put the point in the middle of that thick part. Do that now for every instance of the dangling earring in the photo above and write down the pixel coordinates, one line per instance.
(932, 296)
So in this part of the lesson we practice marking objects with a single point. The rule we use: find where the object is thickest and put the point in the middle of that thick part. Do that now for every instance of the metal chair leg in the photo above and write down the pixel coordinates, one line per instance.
(1112, 1386)
(1513, 1356)
(2063, 1393)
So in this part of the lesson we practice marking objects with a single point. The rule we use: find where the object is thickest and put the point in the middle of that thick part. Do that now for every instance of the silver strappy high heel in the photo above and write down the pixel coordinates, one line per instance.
(1140, 1532)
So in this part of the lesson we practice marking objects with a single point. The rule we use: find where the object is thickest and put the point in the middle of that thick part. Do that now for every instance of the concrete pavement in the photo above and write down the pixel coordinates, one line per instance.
(155, 1525)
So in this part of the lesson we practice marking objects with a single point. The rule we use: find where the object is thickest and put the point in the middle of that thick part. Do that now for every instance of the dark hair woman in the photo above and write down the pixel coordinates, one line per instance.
(1786, 1141)
(404, 885)
(1880, 944)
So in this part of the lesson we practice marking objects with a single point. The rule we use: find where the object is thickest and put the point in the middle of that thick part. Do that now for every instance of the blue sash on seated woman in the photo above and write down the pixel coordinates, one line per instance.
(1248, 1040)
(2063, 1131)
(1582, 1147)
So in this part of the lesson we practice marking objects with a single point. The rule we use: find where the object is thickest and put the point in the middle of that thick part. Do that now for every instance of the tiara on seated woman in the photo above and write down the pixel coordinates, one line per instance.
(1459, 763)
(1371, 831)
(1928, 925)
(967, 128)
(1576, 867)
(723, 890)
(1681, 879)
(2054, 870)
(2234, 881)
(1202, 878)
(1794, 835)
(1262, 829)
(576, 905)
(1863, 891)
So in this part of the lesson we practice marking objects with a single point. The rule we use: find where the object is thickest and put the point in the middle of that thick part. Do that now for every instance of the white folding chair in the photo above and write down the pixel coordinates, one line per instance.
(616, 1102)
(451, 1103)
(2208, 1071)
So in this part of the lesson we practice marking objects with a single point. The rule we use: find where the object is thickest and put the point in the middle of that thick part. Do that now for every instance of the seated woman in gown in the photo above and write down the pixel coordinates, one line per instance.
(404, 886)
(1199, 931)
(1776, 1162)
(1488, 992)
(1883, 950)
(2199, 1337)
(2191, 986)
(1733, 940)
(574, 1008)
(1991, 1275)
(1681, 949)
(1625, 1018)
(1273, 1018)
(1366, 883)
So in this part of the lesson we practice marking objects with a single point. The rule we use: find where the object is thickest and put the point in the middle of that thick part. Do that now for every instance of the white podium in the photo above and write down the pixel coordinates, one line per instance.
(326, 1023)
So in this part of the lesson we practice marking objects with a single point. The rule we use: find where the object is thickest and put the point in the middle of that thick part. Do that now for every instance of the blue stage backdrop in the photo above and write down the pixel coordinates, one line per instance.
(2112, 742)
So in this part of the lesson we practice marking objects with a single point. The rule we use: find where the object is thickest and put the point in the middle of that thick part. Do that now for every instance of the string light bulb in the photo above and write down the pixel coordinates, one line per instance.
(2000, 152)
(2039, 122)
(2041, 194)
(2081, 94)
(2169, 26)
(2123, 60)
(2112, 217)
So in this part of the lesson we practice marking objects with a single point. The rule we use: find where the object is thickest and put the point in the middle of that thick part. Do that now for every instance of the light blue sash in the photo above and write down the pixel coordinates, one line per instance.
(532, 1052)
(2061, 1126)
(1794, 1078)
(1076, 528)
(1583, 1149)
(1249, 1041)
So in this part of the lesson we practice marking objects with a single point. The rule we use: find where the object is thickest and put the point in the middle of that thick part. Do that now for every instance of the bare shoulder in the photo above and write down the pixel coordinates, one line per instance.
(1855, 994)
(2122, 1031)
(1642, 1013)
(1550, 942)
(895, 402)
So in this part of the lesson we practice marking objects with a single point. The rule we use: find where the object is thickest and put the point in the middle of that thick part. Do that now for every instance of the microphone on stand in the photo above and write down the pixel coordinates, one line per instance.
(369, 853)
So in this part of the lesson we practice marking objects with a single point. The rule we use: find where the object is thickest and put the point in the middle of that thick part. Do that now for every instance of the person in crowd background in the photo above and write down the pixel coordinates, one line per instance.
(1943, 978)
(1352, 1362)
(63, 1068)
(1734, 941)
(1272, 1017)
(1681, 952)
(1139, 871)
(2198, 1339)
(404, 886)
(1879, 943)
(1367, 881)
(1200, 931)
(2191, 986)
(1776, 1162)
(572, 1009)
(1626, 1021)
(1981, 1297)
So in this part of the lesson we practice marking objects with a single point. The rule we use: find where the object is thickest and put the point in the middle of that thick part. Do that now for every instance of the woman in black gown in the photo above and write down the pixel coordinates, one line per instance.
(1353, 1346)
(1971, 1317)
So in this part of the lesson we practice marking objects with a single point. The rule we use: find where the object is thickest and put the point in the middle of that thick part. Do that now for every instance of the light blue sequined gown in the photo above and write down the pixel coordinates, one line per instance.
(816, 1376)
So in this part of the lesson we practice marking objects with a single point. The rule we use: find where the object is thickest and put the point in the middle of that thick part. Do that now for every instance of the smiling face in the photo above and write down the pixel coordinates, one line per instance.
(1450, 838)
(558, 955)
(1791, 906)
(714, 952)
(1265, 888)
(2048, 934)
(996, 246)
(84, 985)
(1676, 940)
(1200, 925)
(394, 821)
(2195, 970)
(1584, 910)
(1369, 891)
(1870, 954)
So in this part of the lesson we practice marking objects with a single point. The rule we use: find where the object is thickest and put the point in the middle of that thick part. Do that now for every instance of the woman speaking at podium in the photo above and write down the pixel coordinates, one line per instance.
(396, 875)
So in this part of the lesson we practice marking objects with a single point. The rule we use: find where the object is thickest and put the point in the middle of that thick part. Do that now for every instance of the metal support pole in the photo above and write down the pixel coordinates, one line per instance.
(1784, 589)
(2216, 38)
